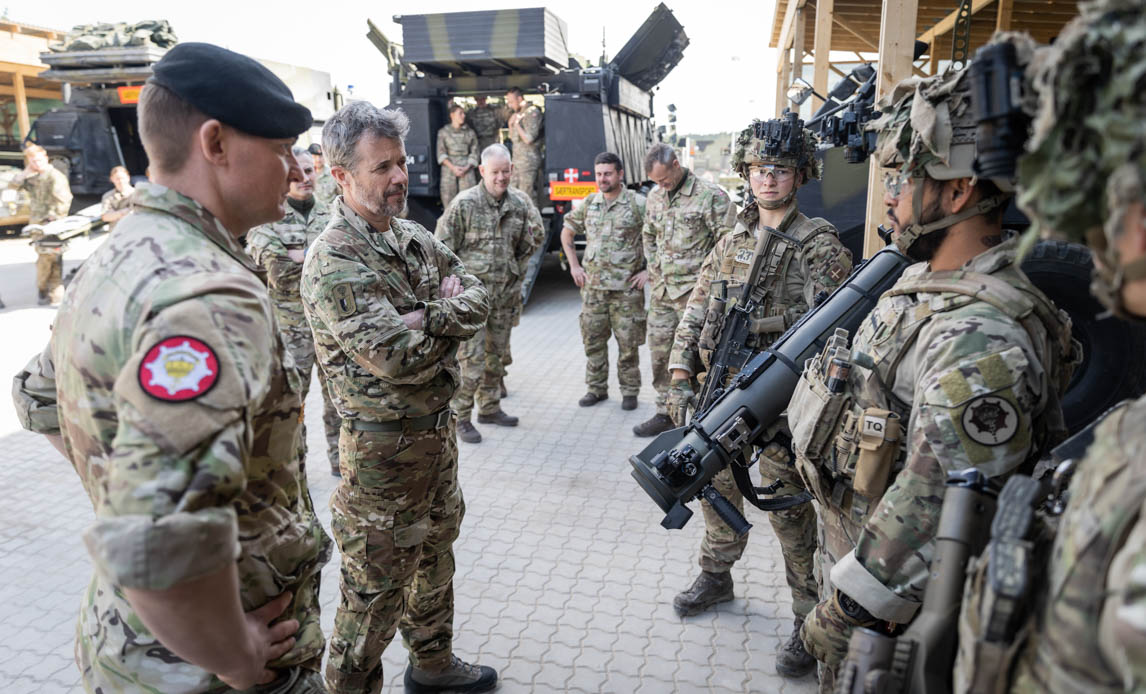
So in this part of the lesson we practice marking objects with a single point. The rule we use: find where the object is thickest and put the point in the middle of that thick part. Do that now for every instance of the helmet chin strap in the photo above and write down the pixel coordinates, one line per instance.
(777, 204)
(914, 231)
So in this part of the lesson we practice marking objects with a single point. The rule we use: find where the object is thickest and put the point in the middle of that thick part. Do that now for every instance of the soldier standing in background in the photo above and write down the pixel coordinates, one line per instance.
(1081, 624)
(486, 120)
(116, 203)
(50, 196)
(458, 152)
(178, 407)
(803, 258)
(279, 248)
(612, 282)
(494, 229)
(389, 306)
(526, 123)
(961, 364)
(684, 217)
(325, 187)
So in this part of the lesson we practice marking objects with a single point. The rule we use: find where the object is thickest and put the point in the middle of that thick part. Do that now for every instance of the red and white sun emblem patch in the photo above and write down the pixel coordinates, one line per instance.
(572, 175)
(178, 368)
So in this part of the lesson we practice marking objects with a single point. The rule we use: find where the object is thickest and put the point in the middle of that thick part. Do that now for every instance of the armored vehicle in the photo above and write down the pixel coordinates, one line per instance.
(587, 110)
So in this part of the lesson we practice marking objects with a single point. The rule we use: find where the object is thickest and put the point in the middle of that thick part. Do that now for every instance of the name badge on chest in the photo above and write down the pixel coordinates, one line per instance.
(744, 256)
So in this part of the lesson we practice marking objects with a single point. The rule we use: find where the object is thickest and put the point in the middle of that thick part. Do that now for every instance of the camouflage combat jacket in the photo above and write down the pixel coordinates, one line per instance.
(114, 201)
(1089, 634)
(485, 121)
(613, 250)
(493, 238)
(49, 195)
(803, 258)
(527, 155)
(180, 410)
(970, 381)
(681, 227)
(356, 283)
(268, 246)
(326, 188)
(459, 145)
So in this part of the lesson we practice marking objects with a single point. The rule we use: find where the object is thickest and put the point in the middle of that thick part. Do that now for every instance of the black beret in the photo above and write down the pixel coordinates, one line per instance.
(314, 148)
(233, 89)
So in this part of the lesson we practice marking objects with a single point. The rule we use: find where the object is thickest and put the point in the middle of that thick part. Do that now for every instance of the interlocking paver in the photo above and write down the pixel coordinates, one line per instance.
(564, 576)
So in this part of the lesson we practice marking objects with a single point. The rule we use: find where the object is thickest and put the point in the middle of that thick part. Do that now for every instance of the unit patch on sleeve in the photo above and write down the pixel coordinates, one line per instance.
(178, 368)
(344, 303)
(990, 420)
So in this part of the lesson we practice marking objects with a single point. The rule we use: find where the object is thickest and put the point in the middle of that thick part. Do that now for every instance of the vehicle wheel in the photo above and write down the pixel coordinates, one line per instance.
(1113, 350)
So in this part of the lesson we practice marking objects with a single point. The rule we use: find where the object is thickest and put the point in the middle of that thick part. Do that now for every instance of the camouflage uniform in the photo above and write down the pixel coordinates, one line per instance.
(179, 406)
(399, 507)
(613, 254)
(971, 365)
(49, 197)
(326, 188)
(114, 201)
(494, 239)
(805, 257)
(681, 227)
(269, 246)
(460, 146)
(486, 121)
(527, 158)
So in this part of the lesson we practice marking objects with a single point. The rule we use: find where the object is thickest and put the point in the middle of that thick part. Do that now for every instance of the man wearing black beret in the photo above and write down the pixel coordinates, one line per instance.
(167, 388)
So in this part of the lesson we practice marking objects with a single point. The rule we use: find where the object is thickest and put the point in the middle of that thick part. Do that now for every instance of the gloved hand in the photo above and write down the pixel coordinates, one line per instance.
(827, 629)
(680, 396)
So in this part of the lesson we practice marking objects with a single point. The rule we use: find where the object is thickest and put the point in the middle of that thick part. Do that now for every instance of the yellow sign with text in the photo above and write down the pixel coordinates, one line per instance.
(570, 191)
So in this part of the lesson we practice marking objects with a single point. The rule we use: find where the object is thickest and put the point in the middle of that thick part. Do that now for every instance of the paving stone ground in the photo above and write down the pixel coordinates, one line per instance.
(564, 576)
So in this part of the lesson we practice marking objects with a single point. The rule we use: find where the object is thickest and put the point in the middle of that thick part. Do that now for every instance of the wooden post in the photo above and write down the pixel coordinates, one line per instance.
(933, 57)
(896, 48)
(22, 120)
(822, 48)
(798, 44)
(782, 81)
(1003, 18)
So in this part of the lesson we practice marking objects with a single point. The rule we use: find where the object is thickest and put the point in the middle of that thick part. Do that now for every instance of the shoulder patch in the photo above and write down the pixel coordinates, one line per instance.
(179, 368)
(990, 420)
(344, 302)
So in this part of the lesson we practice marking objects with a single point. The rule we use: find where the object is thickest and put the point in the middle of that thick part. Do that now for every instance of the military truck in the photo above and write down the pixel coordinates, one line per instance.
(592, 109)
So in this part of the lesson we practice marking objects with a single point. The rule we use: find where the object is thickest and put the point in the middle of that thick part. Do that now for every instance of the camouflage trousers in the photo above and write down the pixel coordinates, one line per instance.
(622, 314)
(300, 342)
(50, 275)
(297, 680)
(481, 360)
(395, 517)
(838, 535)
(450, 185)
(664, 316)
(524, 178)
(795, 528)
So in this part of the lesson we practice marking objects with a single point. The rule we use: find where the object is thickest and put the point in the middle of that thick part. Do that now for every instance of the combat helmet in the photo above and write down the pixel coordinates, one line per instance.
(928, 129)
(780, 141)
(1086, 160)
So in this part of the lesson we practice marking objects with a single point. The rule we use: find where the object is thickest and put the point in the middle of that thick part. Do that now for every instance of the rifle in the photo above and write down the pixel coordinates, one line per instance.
(732, 352)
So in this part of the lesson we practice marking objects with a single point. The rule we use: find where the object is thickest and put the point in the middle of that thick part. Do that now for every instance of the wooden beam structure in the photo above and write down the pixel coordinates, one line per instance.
(798, 44)
(782, 82)
(22, 120)
(896, 49)
(822, 49)
(1004, 15)
(31, 92)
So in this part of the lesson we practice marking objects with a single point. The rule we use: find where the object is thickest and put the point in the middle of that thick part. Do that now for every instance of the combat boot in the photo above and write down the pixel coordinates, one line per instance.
(707, 590)
(659, 423)
(499, 418)
(459, 676)
(589, 399)
(629, 402)
(467, 432)
(791, 658)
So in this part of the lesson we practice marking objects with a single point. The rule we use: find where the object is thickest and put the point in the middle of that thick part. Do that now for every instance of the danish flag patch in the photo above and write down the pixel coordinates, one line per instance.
(179, 368)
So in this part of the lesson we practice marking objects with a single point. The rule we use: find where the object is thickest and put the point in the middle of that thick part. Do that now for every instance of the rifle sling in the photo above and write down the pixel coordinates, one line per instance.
(748, 491)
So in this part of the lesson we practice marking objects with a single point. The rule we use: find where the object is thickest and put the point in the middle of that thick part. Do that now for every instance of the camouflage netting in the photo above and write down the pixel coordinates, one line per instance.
(750, 150)
(1091, 121)
(93, 37)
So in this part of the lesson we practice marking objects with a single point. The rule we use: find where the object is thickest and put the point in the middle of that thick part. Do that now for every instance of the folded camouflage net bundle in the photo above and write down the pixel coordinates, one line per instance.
(94, 37)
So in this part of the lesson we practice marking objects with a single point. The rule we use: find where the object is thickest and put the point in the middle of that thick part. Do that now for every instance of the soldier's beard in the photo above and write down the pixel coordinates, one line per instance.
(384, 205)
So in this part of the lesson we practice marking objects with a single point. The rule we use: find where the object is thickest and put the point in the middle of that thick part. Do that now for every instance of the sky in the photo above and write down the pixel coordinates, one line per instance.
(726, 78)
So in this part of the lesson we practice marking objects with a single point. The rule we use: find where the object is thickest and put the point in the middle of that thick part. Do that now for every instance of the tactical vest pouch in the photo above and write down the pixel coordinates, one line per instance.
(814, 413)
(982, 666)
(714, 316)
(879, 443)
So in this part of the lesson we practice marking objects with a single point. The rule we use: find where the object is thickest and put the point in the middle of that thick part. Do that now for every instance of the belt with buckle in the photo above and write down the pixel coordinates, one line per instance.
(436, 420)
